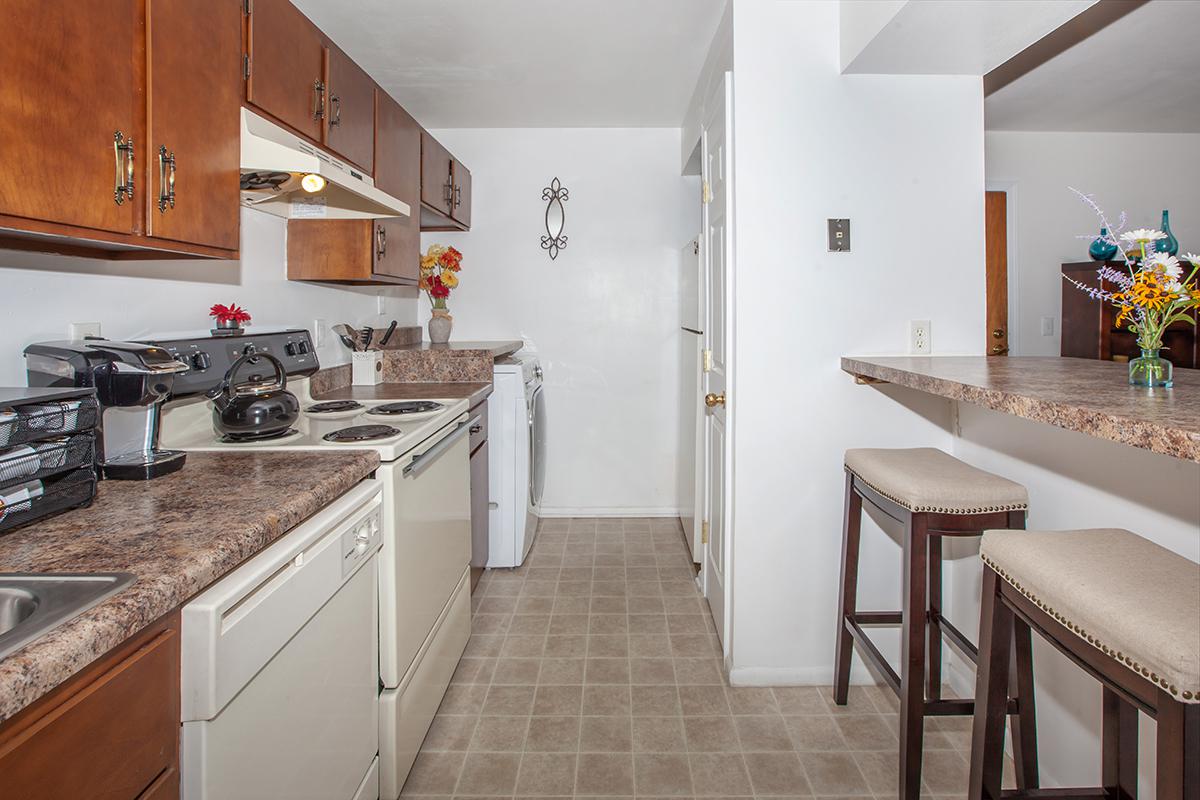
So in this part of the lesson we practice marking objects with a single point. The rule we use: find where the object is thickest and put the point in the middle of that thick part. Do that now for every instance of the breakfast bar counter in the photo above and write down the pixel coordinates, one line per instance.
(1084, 395)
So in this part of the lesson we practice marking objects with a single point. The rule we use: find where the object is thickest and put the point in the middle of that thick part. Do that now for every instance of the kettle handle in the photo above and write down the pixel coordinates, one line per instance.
(227, 382)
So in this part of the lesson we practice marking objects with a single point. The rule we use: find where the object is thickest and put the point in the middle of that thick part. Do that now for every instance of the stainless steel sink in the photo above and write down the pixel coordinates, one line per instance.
(34, 604)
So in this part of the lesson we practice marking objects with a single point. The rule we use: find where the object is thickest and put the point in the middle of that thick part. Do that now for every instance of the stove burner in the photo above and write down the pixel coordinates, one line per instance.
(242, 438)
(408, 407)
(333, 406)
(362, 433)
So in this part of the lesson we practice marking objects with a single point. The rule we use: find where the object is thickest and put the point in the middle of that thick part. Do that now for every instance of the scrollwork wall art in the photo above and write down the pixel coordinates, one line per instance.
(554, 240)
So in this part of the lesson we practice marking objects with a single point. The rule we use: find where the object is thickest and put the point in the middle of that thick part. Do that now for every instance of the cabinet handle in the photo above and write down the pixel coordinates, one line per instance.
(457, 196)
(448, 194)
(123, 155)
(336, 102)
(318, 99)
(477, 428)
(381, 241)
(166, 179)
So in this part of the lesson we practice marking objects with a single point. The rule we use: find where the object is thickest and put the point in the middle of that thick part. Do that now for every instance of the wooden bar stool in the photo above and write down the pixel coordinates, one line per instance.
(1125, 610)
(932, 495)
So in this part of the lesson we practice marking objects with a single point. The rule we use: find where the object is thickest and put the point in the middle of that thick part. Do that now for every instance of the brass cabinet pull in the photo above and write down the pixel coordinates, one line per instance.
(166, 179)
(999, 350)
(381, 241)
(448, 193)
(998, 333)
(123, 157)
(457, 196)
(336, 102)
(713, 400)
(318, 99)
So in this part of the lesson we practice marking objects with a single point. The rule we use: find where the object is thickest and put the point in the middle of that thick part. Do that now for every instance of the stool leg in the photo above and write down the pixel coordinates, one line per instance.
(1024, 722)
(1119, 757)
(912, 655)
(991, 692)
(848, 593)
(1178, 769)
(933, 665)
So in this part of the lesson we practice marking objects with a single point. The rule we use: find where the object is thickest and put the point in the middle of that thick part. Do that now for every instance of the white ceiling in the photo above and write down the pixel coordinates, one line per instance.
(528, 63)
(1141, 73)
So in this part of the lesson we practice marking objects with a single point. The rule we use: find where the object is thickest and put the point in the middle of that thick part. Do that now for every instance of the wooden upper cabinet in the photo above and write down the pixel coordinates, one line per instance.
(437, 187)
(356, 251)
(462, 194)
(350, 130)
(191, 161)
(287, 67)
(69, 96)
(398, 172)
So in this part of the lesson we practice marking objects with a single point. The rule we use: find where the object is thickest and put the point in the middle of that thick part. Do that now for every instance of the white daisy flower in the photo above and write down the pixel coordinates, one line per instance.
(1175, 287)
(1142, 235)
(1166, 264)
(1192, 258)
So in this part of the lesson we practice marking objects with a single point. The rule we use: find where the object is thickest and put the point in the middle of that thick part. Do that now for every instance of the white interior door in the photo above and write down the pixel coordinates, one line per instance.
(717, 336)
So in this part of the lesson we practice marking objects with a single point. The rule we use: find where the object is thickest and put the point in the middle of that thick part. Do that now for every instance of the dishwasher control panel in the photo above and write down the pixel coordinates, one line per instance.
(362, 539)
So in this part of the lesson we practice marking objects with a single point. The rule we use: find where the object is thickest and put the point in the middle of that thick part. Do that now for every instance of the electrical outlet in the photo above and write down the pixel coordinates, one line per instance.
(1047, 326)
(318, 332)
(378, 304)
(78, 330)
(920, 341)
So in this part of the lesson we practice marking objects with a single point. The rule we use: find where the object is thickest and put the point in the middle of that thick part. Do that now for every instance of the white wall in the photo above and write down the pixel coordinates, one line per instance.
(1140, 173)
(902, 157)
(1074, 481)
(42, 294)
(604, 316)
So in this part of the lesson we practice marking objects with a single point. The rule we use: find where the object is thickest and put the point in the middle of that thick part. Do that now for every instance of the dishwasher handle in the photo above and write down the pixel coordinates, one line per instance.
(426, 459)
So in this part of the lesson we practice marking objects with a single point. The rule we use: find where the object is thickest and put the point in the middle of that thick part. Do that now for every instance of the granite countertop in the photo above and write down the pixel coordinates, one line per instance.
(475, 393)
(178, 534)
(1078, 394)
(497, 349)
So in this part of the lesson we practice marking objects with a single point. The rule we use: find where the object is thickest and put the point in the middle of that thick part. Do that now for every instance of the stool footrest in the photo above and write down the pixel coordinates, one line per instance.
(1068, 793)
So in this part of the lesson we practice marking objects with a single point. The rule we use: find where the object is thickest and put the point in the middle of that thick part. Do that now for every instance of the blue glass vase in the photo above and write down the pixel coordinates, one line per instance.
(1169, 245)
(1102, 249)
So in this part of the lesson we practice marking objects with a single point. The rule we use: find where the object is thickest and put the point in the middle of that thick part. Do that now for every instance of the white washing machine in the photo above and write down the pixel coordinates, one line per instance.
(517, 458)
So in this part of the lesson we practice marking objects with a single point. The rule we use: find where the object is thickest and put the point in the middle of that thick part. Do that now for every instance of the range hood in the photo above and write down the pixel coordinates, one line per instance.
(275, 161)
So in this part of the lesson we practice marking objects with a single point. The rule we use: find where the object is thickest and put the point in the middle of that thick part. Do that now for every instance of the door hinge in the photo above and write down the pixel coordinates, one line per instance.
(705, 193)
(245, 67)
(704, 532)
(696, 247)
(707, 360)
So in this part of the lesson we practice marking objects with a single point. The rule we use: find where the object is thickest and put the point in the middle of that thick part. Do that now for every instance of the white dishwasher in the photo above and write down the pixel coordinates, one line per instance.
(280, 677)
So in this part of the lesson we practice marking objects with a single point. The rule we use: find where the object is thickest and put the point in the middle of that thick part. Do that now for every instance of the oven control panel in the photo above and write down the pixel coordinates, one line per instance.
(209, 358)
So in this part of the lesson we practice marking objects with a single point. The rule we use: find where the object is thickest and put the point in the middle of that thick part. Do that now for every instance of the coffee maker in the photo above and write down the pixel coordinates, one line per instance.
(131, 380)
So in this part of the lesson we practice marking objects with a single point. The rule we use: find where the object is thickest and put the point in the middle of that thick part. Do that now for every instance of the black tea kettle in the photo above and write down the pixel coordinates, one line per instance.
(258, 409)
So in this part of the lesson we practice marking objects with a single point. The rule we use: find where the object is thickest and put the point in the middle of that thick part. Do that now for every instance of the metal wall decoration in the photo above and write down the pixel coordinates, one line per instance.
(554, 240)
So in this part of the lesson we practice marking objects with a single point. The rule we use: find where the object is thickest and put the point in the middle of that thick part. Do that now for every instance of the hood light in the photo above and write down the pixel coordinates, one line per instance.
(312, 183)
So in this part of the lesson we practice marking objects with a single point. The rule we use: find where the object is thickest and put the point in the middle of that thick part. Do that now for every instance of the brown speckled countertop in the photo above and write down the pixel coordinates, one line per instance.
(1078, 394)
(474, 392)
(496, 349)
(178, 534)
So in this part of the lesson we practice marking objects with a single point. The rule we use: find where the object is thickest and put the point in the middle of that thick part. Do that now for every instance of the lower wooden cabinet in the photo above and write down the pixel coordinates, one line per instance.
(351, 251)
(109, 733)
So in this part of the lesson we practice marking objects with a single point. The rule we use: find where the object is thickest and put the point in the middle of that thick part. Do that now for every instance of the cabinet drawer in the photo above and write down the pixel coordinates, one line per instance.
(108, 741)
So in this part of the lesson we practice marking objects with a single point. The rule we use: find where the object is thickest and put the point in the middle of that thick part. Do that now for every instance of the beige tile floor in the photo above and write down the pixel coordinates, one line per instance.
(594, 671)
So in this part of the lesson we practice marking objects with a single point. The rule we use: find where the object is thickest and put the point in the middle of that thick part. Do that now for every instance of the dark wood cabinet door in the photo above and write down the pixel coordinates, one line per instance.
(193, 53)
(398, 172)
(69, 86)
(462, 195)
(396, 249)
(350, 131)
(287, 67)
(436, 182)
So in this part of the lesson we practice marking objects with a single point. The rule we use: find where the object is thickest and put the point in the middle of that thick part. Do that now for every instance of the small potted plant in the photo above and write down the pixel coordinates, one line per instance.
(1152, 292)
(439, 274)
(229, 319)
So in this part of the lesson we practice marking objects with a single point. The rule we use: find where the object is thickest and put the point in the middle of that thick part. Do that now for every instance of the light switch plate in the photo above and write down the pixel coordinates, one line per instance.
(318, 333)
(1047, 326)
(839, 236)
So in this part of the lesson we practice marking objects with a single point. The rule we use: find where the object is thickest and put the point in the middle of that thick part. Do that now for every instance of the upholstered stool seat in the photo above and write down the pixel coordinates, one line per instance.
(931, 495)
(1126, 611)
(925, 479)
(1126, 596)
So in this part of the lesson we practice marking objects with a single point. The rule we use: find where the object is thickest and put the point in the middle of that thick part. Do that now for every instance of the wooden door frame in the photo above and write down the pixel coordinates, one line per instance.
(1010, 226)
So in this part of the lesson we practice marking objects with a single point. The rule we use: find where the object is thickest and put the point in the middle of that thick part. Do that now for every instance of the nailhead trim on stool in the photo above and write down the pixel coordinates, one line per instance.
(940, 510)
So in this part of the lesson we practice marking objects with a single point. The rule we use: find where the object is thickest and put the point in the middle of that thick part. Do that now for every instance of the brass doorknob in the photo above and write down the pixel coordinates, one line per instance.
(713, 400)
(998, 333)
(999, 349)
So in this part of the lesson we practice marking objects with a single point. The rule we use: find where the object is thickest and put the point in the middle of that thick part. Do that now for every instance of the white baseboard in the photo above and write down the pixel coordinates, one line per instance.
(607, 511)
(796, 676)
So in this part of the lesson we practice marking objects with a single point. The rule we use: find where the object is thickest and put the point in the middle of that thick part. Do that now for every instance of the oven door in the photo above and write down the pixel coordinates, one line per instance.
(427, 543)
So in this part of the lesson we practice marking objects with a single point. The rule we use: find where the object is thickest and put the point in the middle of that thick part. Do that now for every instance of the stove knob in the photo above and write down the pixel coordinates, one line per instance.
(201, 361)
(303, 347)
(249, 349)
(361, 540)
(290, 348)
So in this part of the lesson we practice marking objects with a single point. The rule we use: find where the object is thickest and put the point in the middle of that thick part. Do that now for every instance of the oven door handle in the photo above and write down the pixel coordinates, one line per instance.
(426, 459)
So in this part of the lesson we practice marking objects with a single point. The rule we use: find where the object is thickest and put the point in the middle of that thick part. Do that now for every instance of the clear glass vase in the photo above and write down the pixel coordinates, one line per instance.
(1151, 371)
